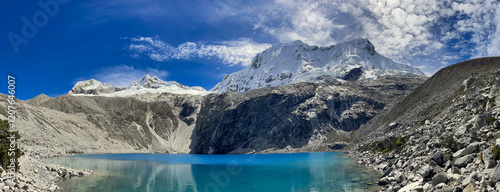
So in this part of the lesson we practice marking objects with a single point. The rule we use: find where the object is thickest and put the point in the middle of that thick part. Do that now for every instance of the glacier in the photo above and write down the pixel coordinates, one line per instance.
(295, 62)
(146, 84)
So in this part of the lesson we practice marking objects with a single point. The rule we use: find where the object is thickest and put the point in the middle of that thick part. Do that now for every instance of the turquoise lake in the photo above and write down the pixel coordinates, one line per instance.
(329, 171)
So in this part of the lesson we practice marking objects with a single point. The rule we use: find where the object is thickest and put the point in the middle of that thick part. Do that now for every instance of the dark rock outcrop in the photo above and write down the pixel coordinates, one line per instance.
(295, 115)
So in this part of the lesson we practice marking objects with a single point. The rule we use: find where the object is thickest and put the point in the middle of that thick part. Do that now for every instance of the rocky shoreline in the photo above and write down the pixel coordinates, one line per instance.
(37, 175)
(458, 149)
(410, 173)
(444, 136)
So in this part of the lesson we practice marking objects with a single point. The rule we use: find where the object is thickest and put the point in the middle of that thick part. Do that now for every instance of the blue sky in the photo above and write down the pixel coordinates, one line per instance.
(197, 42)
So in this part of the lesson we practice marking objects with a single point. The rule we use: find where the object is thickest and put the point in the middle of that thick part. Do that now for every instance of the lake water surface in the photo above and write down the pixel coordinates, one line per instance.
(330, 171)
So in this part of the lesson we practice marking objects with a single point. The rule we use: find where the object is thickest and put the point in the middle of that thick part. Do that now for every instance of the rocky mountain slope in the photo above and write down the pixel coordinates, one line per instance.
(298, 117)
(296, 62)
(146, 84)
(445, 136)
(146, 123)
(305, 116)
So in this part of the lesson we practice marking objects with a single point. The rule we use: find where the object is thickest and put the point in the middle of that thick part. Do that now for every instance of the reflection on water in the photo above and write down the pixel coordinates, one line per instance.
(200, 173)
(116, 175)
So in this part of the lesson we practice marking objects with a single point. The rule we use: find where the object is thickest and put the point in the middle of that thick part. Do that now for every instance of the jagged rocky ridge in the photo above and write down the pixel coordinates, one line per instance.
(452, 132)
(295, 62)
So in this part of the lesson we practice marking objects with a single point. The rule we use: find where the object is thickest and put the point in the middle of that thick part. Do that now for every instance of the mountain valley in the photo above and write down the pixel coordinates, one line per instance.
(424, 134)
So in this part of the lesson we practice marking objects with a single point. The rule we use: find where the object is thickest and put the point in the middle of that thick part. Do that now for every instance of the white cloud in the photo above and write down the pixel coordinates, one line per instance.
(419, 32)
(494, 46)
(124, 75)
(239, 52)
(308, 21)
(481, 21)
(401, 30)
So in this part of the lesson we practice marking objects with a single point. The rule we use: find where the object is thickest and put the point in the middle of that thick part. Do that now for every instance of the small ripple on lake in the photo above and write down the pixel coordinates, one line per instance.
(203, 173)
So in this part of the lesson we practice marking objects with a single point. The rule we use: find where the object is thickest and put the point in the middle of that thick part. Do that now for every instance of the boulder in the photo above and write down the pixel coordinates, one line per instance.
(463, 161)
(393, 125)
(464, 140)
(495, 178)
(469, 179)
(469, 188)
(453, 177)
(438, 158)
(425, 171)
(488, 158)
(386, 180)
(411, 187)
(455, 170)
(439, 178)
(442, 188)
(461, 130)
(477, 122)
(468, 150)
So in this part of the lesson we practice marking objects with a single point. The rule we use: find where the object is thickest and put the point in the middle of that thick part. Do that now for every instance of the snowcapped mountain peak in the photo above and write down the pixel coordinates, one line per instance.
(297, 61)
(360, 46)
(153, 83)
(91, 86)
(146, 84)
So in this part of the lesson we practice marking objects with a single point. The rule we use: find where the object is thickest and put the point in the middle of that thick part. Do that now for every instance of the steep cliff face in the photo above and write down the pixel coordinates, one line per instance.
(292, 116)
(254, 120)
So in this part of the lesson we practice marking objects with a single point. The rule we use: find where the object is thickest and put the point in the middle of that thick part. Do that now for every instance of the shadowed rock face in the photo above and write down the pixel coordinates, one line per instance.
(292, 115)
(353, 74)
(230, 120)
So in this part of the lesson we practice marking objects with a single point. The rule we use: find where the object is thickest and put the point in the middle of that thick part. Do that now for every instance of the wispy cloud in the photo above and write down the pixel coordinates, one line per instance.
(419, 32)
(124, 75)
(399, 30)
(407, 31)
(239, 52)
(482, 23)
(313, 22)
